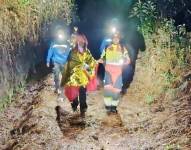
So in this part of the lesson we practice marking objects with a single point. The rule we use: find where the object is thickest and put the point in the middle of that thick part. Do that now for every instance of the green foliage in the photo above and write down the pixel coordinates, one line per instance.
(146, 12)
(20, 88)
(11, 93)
(168, 49)
(149, 99)
(6, 100)
(24, 2)
(169, 77)
(172, 147)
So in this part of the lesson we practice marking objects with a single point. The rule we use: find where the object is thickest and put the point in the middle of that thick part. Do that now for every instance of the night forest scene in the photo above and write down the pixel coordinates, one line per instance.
(95, 74)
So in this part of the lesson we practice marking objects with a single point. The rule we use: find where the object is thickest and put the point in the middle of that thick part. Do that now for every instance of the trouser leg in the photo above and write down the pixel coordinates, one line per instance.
(111, 100)
(82, 99)
(127, 77)
(74, 104)
(115, 102)
(101, 73)
(107, 102)
(56, 72)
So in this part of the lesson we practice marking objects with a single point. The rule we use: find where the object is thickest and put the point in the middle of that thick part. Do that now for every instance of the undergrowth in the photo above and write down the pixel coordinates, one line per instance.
(21, 24)
(168, 52)
(11, 94)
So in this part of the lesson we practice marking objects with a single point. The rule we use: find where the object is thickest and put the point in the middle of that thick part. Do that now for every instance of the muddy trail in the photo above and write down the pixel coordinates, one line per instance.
(37, 120)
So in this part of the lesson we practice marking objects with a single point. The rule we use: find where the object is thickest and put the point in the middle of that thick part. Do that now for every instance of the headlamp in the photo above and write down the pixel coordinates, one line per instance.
(75, 29)
(113, 26)
(60, 35)
(113, 30)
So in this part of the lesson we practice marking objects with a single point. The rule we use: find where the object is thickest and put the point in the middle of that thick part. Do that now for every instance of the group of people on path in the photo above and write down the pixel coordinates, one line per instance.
(73, 60)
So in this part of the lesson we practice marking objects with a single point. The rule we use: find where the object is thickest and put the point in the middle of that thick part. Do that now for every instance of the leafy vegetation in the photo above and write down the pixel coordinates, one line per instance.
(172, 147)
(146, 12)
(21, 24)
(168, 48)
(10, 94)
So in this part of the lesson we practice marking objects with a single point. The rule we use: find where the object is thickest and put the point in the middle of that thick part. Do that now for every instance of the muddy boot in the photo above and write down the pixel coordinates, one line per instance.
(114, 109)
(108, 108)
(82, 99)
(107, 101)
(123, 91)
(83, 109)
(57, 108)
(114, 104)
(83, 114)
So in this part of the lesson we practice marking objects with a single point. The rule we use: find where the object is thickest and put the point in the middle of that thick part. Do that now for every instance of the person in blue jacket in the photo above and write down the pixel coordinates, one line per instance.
(58, 54)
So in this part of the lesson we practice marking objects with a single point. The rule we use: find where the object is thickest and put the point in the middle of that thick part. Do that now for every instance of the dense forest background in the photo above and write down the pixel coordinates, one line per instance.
(154, 114)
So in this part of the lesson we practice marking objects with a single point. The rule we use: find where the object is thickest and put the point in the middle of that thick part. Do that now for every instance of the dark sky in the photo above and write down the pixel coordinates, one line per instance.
(95, 14)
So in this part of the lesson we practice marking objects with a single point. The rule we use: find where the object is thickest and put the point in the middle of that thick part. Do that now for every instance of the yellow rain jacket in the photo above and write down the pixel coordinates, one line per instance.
(79, 69)
(115, 53)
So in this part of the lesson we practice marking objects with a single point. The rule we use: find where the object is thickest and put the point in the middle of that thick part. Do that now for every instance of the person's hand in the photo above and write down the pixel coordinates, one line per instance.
(100, 61)
(48, 65)
(86, 66)
(127, 62)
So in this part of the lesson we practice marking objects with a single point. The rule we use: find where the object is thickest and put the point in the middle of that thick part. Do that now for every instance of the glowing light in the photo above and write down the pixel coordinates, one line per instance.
(121, 61)
(75, 29)
(114, 29)
(60, 36)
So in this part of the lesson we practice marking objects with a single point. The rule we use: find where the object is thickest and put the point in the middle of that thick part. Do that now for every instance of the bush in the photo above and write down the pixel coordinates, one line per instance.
(168, 49)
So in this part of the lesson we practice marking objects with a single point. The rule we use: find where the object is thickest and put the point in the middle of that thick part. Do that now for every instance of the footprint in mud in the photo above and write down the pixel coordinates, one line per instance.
(70, 124)
(112, 120)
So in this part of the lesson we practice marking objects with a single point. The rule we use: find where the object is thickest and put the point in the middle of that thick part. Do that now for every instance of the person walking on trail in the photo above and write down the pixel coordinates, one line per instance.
(58, 53)
(114, 57)
(105, 43)
(135, 43)
(78, 72)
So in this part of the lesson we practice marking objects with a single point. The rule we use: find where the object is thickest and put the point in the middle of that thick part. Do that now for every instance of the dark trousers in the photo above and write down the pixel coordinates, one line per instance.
(80, 99)
(127, 75)
(101, 72)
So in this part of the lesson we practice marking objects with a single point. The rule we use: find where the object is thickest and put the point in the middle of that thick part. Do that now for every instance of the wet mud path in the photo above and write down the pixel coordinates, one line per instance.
(37, 120)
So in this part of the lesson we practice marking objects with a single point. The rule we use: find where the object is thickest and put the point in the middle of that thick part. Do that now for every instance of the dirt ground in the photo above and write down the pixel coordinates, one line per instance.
(37, 120)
